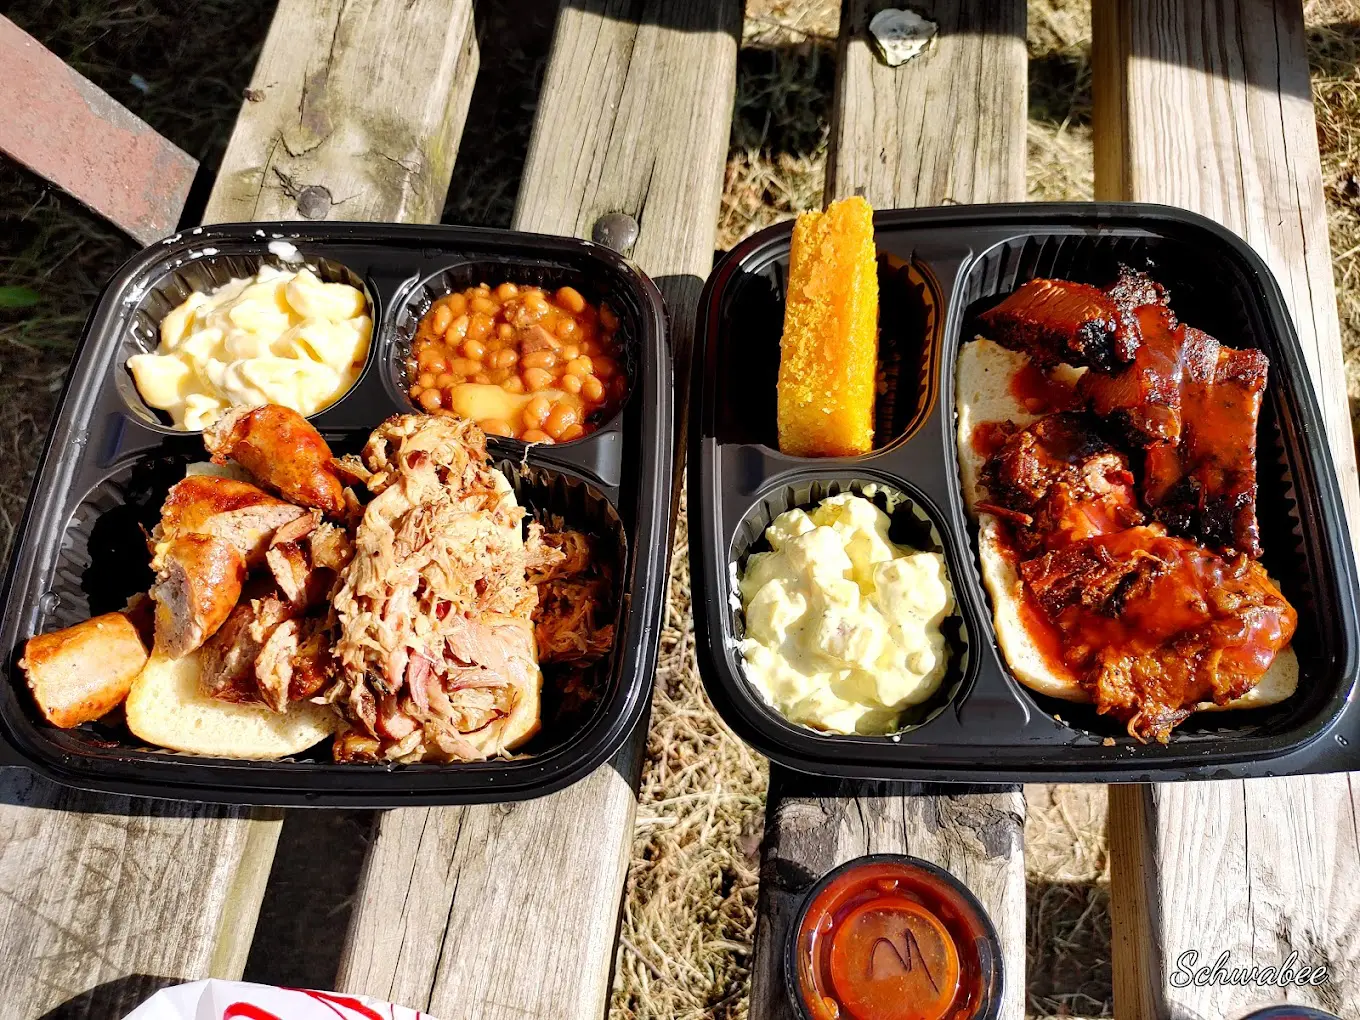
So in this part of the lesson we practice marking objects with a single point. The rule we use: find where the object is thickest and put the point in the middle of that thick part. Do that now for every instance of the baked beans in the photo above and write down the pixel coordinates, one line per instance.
(523, 362)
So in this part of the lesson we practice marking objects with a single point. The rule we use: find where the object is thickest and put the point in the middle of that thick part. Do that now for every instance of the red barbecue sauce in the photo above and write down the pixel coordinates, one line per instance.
(881, 942)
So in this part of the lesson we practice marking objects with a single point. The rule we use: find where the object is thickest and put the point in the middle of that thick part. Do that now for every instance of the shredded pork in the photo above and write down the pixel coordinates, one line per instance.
(435, 608)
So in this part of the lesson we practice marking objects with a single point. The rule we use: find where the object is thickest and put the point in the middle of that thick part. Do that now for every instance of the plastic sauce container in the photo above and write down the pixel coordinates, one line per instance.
(1290, 1012)
(890, 937)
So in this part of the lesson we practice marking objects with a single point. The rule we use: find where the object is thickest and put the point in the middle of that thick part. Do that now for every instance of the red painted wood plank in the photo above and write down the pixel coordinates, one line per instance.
(65, 129)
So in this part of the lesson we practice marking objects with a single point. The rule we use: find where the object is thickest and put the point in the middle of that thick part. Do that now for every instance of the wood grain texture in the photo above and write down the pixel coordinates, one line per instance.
(947, 126)
(363, 102)
(494, 913)
(68, 131)
(105, 899)
(1205, 104)
(113, 897)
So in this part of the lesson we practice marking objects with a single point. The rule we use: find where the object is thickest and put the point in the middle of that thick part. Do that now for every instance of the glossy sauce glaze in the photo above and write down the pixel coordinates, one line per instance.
(889, 939)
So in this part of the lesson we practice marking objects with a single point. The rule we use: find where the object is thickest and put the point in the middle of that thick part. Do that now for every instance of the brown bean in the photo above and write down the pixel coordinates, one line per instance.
(506, 291)
(415, 392)
(464, 366)
(479, 326)
(458, 329)
(504, 358)
(567, 328)
(592, 389)
(536, 436)
(580, 366)
(482, 378)
(442, 318)
(505, 331)
(431, 360)
(536, 412)
(562, 416)
(570, 352)
(570, 298)
(536, 304)
(499, 375)
(484, 305)
(575, 431)
(570, 383)
(444, 380)
(495, 427)
(474, 349)
(425, 380)
(430, 399)
(456, 304)
(513, 385)
(539, 359)
(537, 378)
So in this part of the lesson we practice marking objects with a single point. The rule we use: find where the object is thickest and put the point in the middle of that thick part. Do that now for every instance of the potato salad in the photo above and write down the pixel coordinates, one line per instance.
(843, 625)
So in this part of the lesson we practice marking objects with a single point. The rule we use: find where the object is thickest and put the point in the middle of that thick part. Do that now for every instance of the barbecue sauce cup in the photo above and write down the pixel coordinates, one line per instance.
(109, 460)
(939, 269)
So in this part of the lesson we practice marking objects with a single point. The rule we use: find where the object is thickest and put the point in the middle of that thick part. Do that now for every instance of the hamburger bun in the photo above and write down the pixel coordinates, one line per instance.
(983, 394)
(167, 707)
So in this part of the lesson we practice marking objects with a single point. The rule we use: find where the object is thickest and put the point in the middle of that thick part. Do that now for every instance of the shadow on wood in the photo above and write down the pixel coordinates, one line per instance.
(112, 999)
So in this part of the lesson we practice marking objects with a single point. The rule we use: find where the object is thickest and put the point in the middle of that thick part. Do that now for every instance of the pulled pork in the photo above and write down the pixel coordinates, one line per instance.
(436, 648)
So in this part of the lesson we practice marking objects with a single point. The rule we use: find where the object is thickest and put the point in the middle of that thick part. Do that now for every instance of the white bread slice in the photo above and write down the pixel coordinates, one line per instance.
(983, 394)
(167, 707)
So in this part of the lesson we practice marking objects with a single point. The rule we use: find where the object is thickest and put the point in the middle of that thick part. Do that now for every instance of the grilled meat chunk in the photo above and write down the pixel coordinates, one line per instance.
(1055, 321)
(1143, 400)
(83, 672)
(227, 662)
(1157, 624)
(1133, 289)
(281, 449)
(241, 514)
(1057, 481)
(1205, 485)
(195, 591)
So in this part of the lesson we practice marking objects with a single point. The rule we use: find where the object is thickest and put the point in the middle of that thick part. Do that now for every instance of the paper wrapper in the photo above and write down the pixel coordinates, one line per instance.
(239, 1000)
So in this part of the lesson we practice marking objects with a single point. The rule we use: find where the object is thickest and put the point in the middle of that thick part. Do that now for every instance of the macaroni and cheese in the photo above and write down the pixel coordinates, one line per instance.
(279, 337)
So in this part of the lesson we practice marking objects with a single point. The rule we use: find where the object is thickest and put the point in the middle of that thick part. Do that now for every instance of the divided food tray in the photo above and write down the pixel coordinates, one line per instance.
(110, 459)
(938, 269)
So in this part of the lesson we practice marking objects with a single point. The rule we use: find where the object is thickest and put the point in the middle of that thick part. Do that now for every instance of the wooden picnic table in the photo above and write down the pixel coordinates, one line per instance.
(490, 912)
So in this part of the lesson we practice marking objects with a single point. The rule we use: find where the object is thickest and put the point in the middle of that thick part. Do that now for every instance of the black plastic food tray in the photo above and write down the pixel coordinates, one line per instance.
(938, 269)
(110, 459)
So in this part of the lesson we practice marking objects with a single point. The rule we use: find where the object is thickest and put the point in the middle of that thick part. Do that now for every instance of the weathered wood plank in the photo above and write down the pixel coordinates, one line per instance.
(509, 912)
(947, 126)
(1206, 104)
(111, 897)
(354, 112)
(68, 131)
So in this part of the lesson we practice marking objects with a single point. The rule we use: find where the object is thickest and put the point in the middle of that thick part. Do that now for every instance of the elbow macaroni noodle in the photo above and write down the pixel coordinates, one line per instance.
(279, 337)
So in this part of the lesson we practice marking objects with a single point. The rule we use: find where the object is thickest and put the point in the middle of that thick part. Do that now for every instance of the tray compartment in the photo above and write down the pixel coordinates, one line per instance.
(1211, 293)
(751, 318)
(597, 453)
(204, 268)
(913, 525)
(103, 560)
